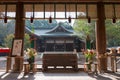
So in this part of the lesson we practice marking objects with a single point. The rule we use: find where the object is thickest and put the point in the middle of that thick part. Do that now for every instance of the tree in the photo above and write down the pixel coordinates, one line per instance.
(9, 38)
(112, 33)
(26, 41)
(83, 29)
(6, 29)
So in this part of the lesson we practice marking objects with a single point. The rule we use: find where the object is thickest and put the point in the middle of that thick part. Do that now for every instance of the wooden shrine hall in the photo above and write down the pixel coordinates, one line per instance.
(57, 38)
(98, 10)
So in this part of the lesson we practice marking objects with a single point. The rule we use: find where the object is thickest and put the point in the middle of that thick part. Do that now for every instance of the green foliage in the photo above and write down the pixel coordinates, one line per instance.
(113, 33)
(82, 29)
(6, 29)
(26, 41)
(89, 54)
(8, 40)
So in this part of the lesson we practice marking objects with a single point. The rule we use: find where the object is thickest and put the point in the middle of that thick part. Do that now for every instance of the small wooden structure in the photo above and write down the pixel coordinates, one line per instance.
(57, 38)
(56, 60)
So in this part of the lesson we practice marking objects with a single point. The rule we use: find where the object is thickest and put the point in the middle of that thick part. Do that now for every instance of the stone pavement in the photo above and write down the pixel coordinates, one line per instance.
(59, 76)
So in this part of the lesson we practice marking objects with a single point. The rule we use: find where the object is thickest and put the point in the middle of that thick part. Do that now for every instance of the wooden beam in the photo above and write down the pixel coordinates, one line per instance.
(59, 1)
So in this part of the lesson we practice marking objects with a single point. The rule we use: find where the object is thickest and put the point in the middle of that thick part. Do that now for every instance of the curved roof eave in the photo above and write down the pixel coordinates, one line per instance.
(42, 33)
(52, 30)
(30, 32)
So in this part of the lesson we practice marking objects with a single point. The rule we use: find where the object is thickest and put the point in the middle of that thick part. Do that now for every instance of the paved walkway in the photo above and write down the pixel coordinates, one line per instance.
(64, 75)
(59, 76)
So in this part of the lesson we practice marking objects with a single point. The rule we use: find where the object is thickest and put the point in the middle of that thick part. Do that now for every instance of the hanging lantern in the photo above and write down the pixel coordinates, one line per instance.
(5, 18)
(114, 19)
(50, 19)
(114, 13)
(87, 16)
(89, 20)
(69, 19)
(31, 19)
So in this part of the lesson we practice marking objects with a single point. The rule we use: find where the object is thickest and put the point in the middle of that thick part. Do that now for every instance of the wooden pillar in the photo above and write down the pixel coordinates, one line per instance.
(101, 38)
(20, 23)
(19, 33)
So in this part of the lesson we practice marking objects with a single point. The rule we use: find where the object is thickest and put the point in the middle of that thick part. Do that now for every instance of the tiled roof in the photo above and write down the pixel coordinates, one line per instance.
(52, 32)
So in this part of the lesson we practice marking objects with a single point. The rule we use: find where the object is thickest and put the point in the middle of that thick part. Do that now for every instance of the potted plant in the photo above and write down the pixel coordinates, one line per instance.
(89, 55)
(31, 52)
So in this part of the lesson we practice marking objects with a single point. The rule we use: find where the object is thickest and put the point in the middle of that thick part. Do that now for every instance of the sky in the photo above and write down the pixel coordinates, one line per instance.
(47, 15)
